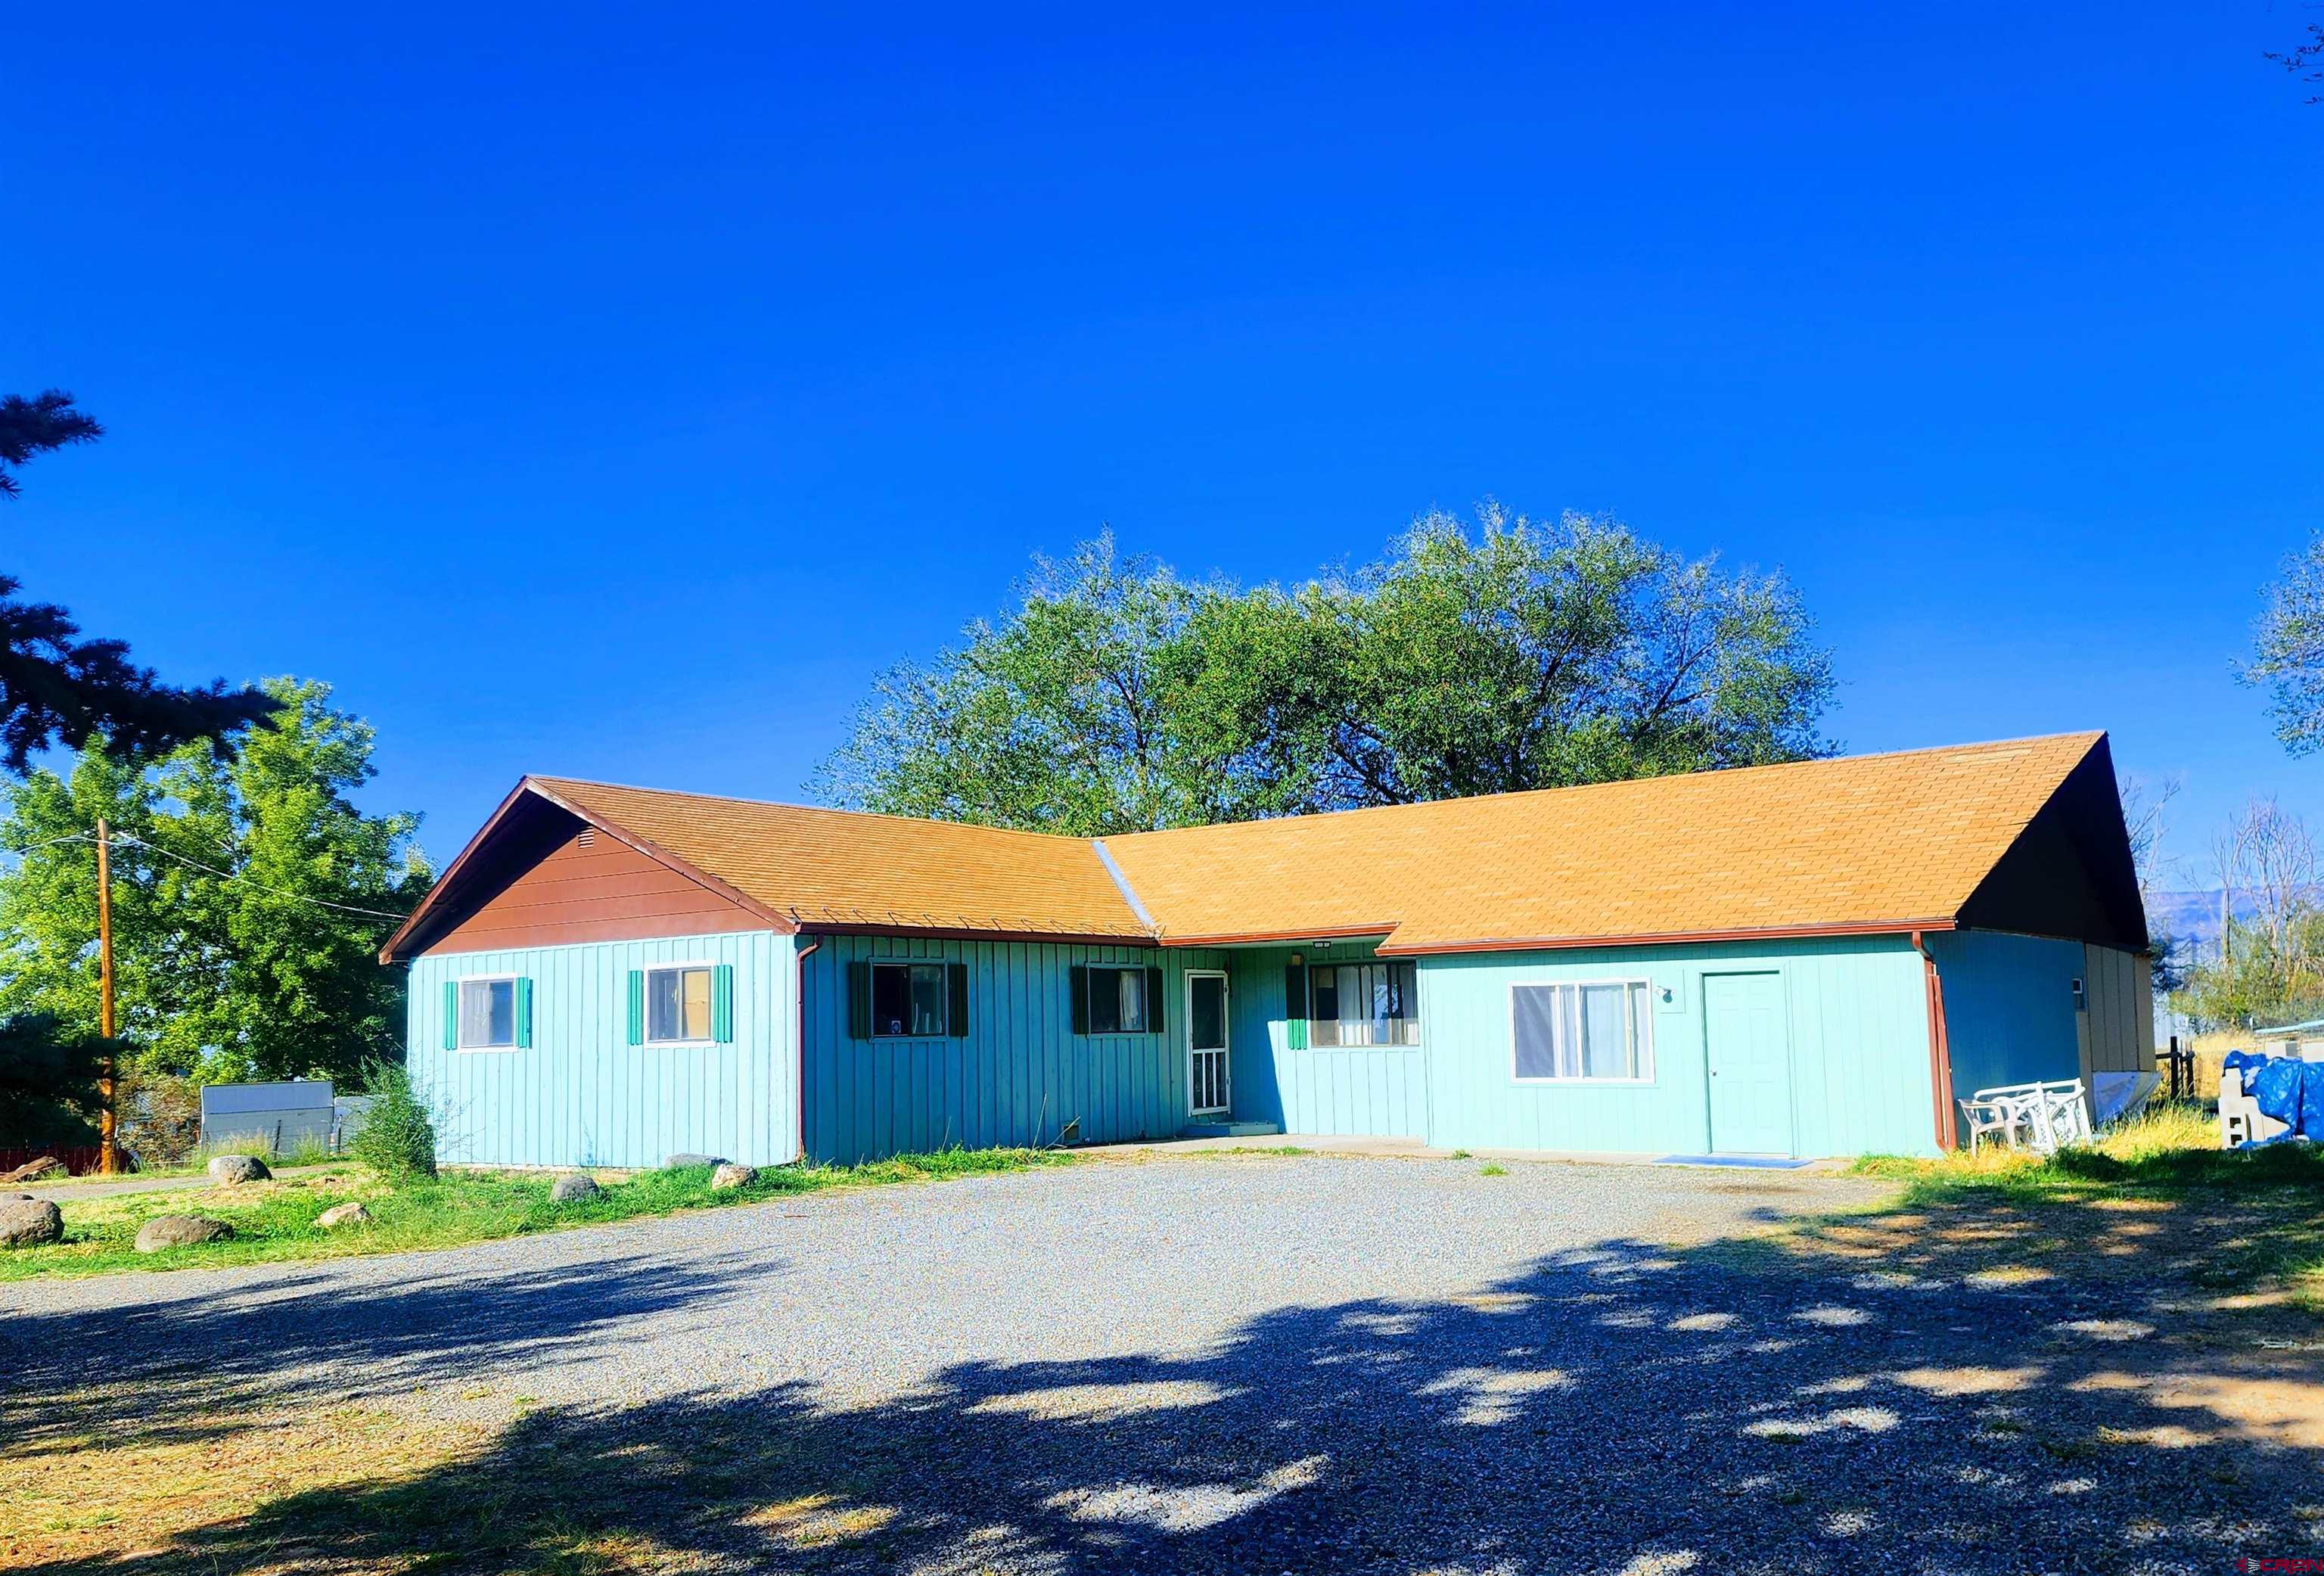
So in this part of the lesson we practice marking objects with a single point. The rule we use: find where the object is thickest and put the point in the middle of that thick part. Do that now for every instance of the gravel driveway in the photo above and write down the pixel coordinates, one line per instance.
(1262, 1364)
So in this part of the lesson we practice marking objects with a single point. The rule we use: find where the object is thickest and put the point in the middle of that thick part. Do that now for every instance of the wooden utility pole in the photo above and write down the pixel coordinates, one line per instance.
(107, 1159)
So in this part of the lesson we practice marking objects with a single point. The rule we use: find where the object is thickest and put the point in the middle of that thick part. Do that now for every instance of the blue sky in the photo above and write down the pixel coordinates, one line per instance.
(613, 391)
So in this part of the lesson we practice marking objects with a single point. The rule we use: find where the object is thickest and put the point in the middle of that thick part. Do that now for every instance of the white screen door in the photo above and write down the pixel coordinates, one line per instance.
(1206, 1043)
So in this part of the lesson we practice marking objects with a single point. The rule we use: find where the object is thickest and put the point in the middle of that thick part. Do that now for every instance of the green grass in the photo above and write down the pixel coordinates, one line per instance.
(2168, 1154)
(275, 1221)
(308, 1151)
(2166, 1146)
(1490, 1169)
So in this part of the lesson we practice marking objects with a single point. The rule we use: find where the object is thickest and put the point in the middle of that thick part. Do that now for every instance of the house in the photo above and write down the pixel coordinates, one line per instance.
(1798, 960)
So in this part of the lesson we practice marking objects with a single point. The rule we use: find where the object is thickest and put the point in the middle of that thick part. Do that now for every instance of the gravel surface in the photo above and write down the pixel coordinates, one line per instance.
(1259, 1364)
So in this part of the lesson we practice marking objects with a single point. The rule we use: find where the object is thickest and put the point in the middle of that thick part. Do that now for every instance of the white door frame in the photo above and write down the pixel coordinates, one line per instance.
(1226, 1040)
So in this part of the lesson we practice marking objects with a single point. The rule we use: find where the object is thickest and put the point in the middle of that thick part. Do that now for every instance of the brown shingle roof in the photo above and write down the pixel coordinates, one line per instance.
(1871, 841)
(1862, 841)
(838, 867)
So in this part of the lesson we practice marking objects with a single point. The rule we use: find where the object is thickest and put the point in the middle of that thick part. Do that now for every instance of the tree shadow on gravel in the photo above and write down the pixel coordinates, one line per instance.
(1990, 1387)
(189, 1367)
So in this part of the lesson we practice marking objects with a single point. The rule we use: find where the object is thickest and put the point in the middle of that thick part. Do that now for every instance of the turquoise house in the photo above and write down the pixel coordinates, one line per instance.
(1788, 960)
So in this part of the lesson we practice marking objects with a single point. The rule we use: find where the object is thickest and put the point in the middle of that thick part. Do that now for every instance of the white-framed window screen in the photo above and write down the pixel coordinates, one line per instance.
(1583, 1031)
(677, 1003)
(487, 1014)
(1364, 1002)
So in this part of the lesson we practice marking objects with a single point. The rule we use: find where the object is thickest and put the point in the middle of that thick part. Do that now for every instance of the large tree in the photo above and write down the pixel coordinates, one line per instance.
(58, 686)
(1526, 654)
(2288, 649)
(251, 895)
(1117, 697)
(1096, 707)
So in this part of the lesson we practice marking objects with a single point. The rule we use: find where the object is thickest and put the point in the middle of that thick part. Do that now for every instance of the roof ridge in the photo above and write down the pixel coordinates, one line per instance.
(631, 787)
(1724, 772)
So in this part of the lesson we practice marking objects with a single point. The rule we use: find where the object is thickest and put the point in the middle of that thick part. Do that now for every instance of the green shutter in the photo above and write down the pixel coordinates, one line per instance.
(1295, 1007)
(523, 1013)
(451, 1015)
(1081, 998)
(1154, 1016)
(859, 1000)
(637, 1007)
(956, 994)
(722, 1003)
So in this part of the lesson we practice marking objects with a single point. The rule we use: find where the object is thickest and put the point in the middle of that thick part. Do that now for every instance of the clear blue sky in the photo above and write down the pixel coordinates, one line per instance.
(613, 393)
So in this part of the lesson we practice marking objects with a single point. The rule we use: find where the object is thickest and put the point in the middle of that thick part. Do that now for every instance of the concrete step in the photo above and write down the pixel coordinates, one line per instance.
(1225, 1129)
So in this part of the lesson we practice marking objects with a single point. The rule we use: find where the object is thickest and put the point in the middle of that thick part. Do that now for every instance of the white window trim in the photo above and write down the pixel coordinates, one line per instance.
(460, 1041)
(1642, 1029)
(1226, 1031)
(645, 1028)
(1357, 959)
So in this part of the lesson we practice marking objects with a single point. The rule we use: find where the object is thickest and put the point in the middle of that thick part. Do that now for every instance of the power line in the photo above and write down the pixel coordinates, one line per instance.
(52, 843)
(232, 876)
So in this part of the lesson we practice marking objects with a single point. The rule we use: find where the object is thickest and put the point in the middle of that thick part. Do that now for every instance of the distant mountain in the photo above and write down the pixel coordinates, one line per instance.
(2190, 917)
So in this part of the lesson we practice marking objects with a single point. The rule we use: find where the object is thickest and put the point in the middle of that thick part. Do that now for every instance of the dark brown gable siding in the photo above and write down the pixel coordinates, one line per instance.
(2070, 873)
(608, 891)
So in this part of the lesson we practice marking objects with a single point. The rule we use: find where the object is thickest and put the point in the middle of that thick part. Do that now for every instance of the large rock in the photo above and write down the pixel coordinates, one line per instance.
(34, 1170)
(179, 1231)
(677, 1162)
(351, 1214)
(572, 1187)
(30, 1222)
(232, 1170)
(730, 1174)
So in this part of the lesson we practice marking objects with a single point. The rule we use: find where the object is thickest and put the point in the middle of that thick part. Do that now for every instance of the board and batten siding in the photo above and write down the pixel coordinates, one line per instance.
(580, 1094)
(2009, 1007)
(1019, 1076)
(1375, 1090)
(2118, 1029)
(1857, 1025)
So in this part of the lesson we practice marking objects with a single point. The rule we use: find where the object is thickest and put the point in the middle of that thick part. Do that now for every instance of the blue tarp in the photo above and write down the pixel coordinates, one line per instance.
(2290, 1091)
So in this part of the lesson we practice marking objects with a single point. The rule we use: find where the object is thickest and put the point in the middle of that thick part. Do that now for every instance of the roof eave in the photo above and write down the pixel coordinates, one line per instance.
(1663, 938)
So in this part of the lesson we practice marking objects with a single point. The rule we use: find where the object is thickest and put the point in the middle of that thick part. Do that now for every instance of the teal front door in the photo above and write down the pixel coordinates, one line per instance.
(1749, 1037)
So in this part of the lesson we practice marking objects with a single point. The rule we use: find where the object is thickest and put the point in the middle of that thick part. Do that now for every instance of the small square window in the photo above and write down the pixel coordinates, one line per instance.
(487, 1015)
(1118, 1004)
(908, 1001)
(677, 1004)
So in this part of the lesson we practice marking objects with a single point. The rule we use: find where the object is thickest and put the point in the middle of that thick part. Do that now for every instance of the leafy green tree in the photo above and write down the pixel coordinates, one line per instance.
(1528, 655)
(251, 895)
(1119, 698)
(1092, 709)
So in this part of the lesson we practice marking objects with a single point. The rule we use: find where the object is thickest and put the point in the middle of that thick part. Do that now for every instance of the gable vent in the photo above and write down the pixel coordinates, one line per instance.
(588, 838)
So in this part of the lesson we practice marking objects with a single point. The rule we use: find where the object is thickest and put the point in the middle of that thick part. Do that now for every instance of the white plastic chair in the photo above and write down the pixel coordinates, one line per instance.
(1984, 1116)
(2052, 1115)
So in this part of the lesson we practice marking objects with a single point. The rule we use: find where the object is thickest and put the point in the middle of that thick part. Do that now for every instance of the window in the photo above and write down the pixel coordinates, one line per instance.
(677, 1003)
(487, 1015)
(1118, 1004)
(908, 1000)
(1373, 1003)
(1600, 1029)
